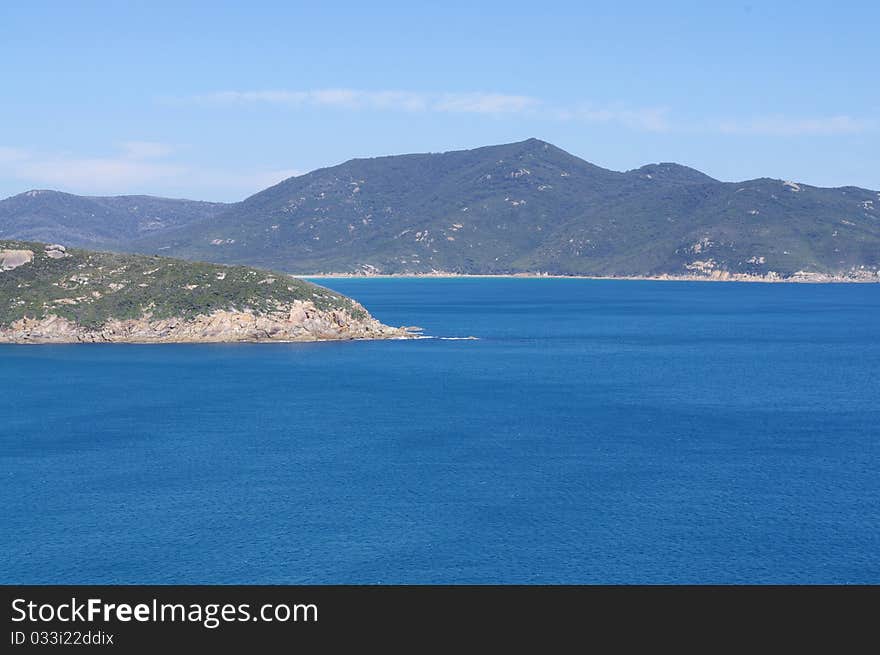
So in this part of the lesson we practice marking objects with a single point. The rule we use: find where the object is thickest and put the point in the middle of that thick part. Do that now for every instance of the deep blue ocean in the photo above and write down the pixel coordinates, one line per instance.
(597, 432)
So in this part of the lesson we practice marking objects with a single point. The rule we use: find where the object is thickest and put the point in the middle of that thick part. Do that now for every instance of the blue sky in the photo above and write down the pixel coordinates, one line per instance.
(218, 100)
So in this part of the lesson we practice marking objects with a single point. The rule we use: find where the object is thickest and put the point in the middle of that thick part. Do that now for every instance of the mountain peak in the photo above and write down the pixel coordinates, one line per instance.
(537, 143)
(534, 145)
(672, 172)
(34, 193)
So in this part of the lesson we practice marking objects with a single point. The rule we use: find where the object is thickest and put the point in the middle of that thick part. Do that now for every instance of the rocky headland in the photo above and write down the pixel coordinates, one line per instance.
(51, 294)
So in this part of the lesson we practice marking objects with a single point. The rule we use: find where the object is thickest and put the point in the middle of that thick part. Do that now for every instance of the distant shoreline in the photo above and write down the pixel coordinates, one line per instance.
(810, 278)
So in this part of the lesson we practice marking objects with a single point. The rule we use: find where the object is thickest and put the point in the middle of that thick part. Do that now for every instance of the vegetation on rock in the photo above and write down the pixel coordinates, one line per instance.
(91, 288)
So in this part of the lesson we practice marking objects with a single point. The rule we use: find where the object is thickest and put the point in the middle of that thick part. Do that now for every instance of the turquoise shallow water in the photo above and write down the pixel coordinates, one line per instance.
(599, 431)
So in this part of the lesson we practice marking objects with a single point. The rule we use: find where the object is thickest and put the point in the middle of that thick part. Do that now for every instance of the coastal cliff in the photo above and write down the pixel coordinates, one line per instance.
(51, 294)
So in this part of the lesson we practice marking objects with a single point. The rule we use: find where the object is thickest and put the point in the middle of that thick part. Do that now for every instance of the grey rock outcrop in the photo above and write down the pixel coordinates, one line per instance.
(55, 251)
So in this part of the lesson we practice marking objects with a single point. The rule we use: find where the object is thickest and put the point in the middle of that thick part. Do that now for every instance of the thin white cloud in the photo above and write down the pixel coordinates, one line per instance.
(412, 101)
(647, 119)
(642, 119)
(139, 167)
(139, 163)
(96, 175)
(785, 126)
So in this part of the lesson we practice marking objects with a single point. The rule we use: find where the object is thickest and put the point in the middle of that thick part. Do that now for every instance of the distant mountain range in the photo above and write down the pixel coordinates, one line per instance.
(110, 222)
(520, 207)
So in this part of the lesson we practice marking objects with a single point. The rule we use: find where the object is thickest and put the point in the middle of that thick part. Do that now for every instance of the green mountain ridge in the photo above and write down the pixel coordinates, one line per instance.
(531, 207)
(96, 221)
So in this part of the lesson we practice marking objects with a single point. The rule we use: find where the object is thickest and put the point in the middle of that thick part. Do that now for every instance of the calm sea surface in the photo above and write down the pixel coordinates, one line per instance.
(598, 431)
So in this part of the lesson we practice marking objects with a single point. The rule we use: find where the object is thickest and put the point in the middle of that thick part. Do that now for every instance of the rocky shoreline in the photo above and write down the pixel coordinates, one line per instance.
(301, 321)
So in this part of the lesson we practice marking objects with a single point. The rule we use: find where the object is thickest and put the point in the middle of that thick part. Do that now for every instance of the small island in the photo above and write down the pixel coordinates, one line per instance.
(53, 294)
